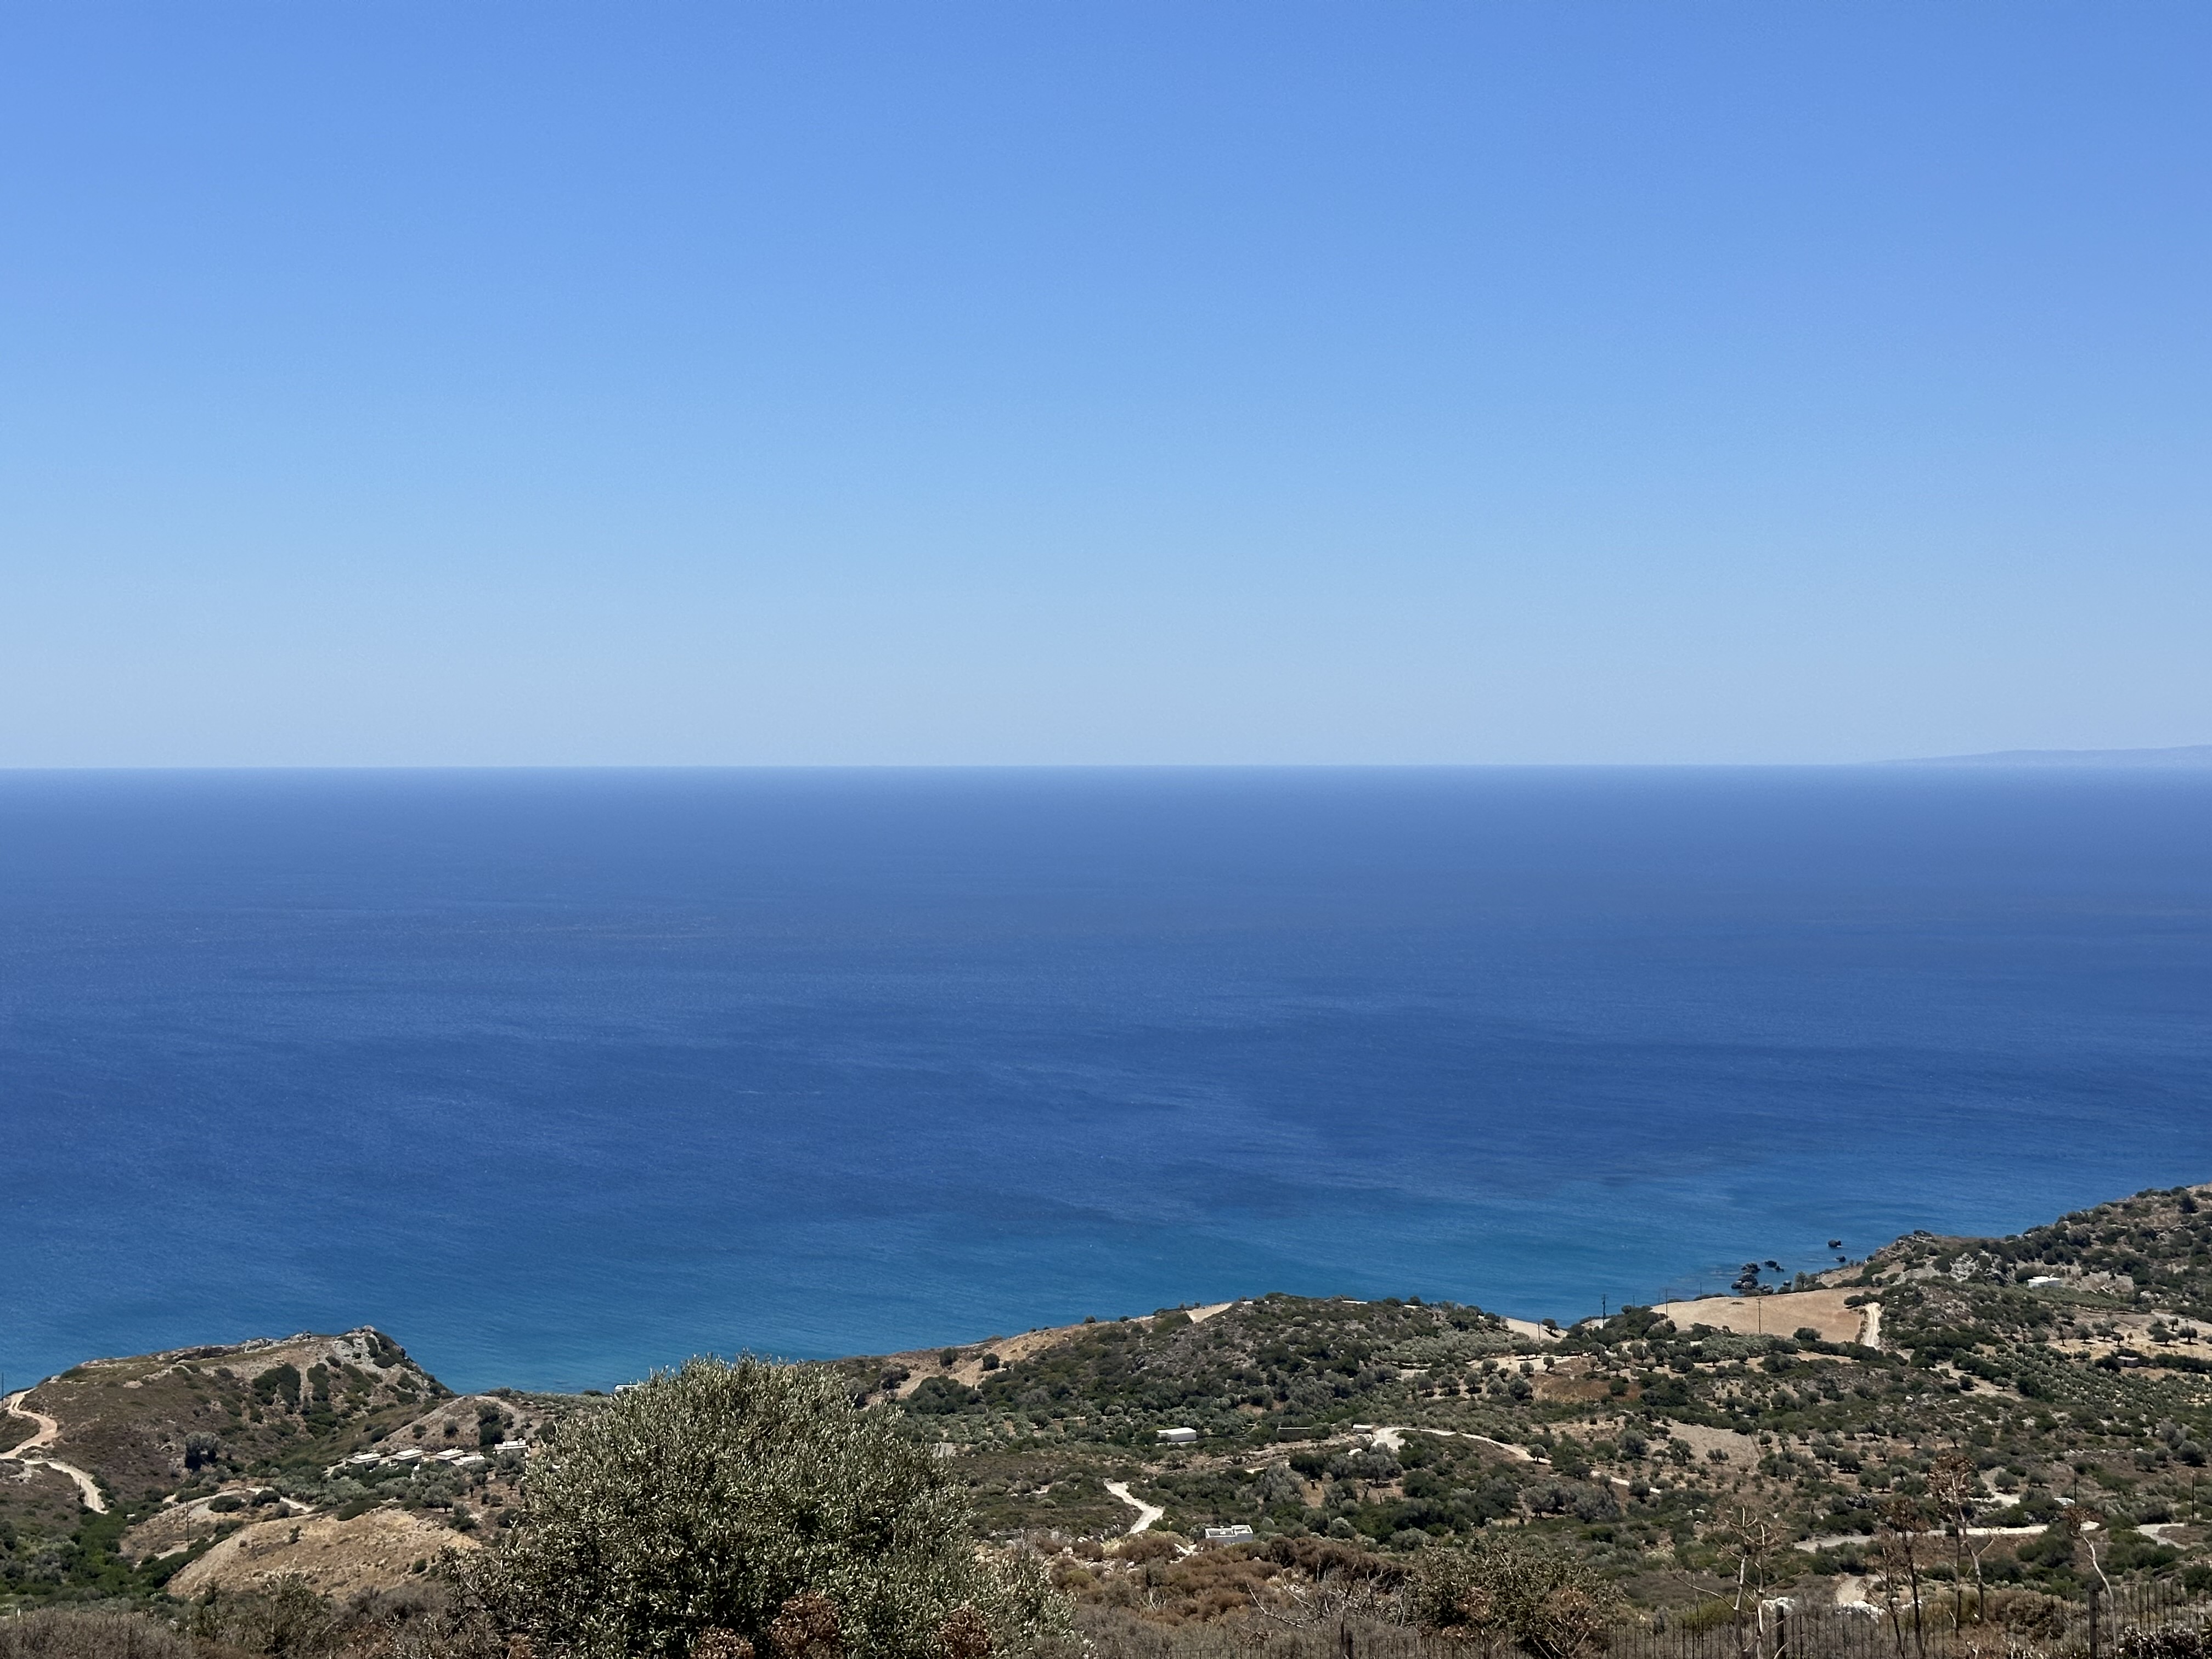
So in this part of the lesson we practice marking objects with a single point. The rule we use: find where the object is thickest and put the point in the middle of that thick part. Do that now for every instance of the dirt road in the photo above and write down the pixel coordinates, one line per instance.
(1145, 1513)
(49, 1432)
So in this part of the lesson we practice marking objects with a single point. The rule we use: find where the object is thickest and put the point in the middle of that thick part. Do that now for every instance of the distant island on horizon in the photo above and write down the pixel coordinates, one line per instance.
(2188, 754)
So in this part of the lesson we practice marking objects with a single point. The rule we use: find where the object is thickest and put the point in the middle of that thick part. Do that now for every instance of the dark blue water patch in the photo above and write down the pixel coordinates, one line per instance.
(560, 1075)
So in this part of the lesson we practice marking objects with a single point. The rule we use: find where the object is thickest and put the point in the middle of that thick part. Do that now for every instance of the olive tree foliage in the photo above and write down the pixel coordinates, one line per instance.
(1499, 1593)
(732, 1510)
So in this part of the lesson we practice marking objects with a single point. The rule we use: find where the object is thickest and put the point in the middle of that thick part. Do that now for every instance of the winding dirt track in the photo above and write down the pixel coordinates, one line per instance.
(1145, 1513)
(49, 1432)
(1391, 1439)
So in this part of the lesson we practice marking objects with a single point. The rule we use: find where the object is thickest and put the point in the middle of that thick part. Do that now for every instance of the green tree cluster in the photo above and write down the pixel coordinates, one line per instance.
(731, 1509)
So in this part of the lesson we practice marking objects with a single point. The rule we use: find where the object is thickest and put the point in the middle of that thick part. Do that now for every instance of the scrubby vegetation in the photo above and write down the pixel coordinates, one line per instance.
(1626, 1442)
(721, 1504)
(2032, 1424)
(192, 1446)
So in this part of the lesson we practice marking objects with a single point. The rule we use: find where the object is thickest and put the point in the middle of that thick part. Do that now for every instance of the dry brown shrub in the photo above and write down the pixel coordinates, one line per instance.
(54, 1633)
(807, 1628)
(1478, 1610)
(716, 1643)
(1145, 1546)
(964, 1634)
(2027, 1614)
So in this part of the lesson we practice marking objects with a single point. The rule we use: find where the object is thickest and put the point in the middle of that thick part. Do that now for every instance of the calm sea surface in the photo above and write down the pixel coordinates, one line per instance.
(559, 1076)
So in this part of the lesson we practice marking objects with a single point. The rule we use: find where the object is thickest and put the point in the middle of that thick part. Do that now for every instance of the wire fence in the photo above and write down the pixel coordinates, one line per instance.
(2037, 1625)
(2037, 1628)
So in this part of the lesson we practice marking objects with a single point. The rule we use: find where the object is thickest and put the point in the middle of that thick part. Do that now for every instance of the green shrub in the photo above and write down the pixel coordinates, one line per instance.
(278, 1382)
(1714, 1613)
(938, 1395)
(709, 1505)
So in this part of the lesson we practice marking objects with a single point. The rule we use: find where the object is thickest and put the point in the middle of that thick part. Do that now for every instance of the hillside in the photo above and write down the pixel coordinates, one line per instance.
(146, 1423)
(238, 1463)
(2064, 1373)
(2069, 1367)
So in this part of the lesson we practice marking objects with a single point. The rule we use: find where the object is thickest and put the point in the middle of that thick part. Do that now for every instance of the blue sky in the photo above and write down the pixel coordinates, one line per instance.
(668, 383)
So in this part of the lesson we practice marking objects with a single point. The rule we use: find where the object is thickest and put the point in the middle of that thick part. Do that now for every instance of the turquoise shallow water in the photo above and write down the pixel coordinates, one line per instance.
(557, 1076)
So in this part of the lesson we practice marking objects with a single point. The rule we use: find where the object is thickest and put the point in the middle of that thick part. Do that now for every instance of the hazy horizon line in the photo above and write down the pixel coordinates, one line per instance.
(2178, 757)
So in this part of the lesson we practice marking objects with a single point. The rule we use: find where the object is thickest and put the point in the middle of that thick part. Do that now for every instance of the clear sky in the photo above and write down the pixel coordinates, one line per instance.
(817, 382)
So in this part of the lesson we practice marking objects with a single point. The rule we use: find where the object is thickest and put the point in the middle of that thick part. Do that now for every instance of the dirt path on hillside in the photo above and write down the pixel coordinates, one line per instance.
(49, 1432)
(47, 1427)
(1394, 1440)
(1837, 1539)
(1145, 1513)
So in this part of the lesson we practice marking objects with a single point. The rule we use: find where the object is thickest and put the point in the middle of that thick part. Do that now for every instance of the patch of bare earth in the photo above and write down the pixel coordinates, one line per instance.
(1529, 1330)
(1703, 1442)
(374, 1551)
(1783, 1314)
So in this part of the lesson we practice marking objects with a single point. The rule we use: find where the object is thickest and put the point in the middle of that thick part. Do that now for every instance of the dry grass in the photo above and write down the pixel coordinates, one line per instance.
(55, 1633)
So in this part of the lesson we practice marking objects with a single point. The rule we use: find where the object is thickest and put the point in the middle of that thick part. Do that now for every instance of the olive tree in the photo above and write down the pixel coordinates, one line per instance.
(727, 1510)
(1498, 1591)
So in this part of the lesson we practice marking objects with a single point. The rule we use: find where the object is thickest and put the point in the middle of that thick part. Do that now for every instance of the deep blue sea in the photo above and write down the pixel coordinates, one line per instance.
(559, 1076)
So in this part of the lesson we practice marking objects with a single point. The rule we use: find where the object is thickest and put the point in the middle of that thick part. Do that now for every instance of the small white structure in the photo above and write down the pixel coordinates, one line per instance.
(471, 1461)
(366, 1457)
(452, 1454)
(410, 1455)
(1228, 1534)
(1178, 1437)
(2045, 1278)
(512, 1445)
